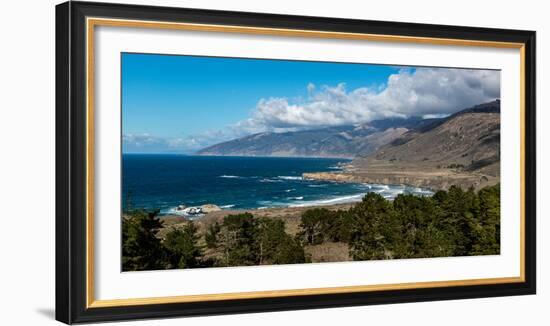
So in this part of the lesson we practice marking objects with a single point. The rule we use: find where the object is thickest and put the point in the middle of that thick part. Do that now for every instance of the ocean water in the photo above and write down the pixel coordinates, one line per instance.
(166, 181)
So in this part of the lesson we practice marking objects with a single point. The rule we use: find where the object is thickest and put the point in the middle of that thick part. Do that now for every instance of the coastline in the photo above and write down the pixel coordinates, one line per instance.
(289, 214)
(417, 176)
(349, 158)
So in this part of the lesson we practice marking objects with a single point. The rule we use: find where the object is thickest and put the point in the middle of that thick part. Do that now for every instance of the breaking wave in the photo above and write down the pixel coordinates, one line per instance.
(287, 177)
(330, 201)
(230, 176)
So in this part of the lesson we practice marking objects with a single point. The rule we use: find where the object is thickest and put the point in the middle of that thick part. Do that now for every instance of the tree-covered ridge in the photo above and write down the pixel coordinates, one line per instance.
(450, 223)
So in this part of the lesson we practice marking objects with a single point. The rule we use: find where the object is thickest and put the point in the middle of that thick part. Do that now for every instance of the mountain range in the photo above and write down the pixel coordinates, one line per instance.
(340, 141)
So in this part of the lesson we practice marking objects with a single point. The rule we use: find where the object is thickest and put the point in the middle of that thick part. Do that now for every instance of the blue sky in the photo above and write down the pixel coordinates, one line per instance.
(170, 96)
(182, 103)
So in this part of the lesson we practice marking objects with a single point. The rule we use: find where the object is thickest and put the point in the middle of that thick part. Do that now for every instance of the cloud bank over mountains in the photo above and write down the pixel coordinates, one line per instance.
(424, 92)
(146, 143)
(420, 92)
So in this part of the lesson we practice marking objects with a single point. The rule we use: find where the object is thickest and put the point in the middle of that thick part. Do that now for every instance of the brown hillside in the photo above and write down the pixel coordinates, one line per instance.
(463, 149)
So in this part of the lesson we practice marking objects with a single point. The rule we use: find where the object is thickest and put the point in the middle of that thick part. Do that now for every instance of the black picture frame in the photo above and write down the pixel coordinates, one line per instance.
(71, 157)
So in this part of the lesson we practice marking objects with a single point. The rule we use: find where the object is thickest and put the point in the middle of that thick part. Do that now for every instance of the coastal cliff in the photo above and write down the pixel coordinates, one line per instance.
(431, 179)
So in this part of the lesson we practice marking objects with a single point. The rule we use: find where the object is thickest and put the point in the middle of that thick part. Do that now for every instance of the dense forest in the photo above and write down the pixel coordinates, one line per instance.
(449, 223)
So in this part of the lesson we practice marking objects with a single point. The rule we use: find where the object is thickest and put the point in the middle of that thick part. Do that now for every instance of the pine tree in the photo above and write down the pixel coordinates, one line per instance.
(182, 246)
(275, 246)
(375, 231)
(236, 239)
(211, 235)
(487, 236)
(141, 249)
(316, 225)
(420, 236)
(458, 213)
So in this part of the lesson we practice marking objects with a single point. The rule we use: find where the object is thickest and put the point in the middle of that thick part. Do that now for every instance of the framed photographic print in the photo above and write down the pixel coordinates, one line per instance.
(214, 162)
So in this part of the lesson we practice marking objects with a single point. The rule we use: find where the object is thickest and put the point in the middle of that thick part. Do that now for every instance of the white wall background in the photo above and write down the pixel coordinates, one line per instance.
(27, 189)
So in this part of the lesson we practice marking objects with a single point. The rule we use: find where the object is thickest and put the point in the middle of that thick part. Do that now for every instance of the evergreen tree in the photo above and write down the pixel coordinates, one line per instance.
(457, 221)
(237, 241)
(182, 246)
(141, 249)
(486, 236)
(290, 251)
(316, 225)
(275, 246)
(420, 236)
(245, 240)
(342, 225)
(211, 235)
(375, 229)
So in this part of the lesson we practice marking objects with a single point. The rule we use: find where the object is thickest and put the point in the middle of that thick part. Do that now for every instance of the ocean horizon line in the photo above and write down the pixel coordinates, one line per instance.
(244, 156)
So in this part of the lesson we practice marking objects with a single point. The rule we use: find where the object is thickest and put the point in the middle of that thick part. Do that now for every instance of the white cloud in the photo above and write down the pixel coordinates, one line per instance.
(145, 143)
(435, 115)
(422, 92)
(310, 87)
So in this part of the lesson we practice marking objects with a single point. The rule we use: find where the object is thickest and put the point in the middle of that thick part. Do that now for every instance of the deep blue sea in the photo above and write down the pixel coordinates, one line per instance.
(166, 181)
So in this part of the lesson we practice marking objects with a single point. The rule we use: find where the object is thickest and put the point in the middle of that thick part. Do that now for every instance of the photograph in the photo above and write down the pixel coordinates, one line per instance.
(229, 162)
(215, 160)
(255, 163)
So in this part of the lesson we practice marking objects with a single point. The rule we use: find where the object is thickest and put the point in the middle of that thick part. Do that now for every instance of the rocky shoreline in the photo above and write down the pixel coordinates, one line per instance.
(196, 210)
(423, 177)
(291, 216)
